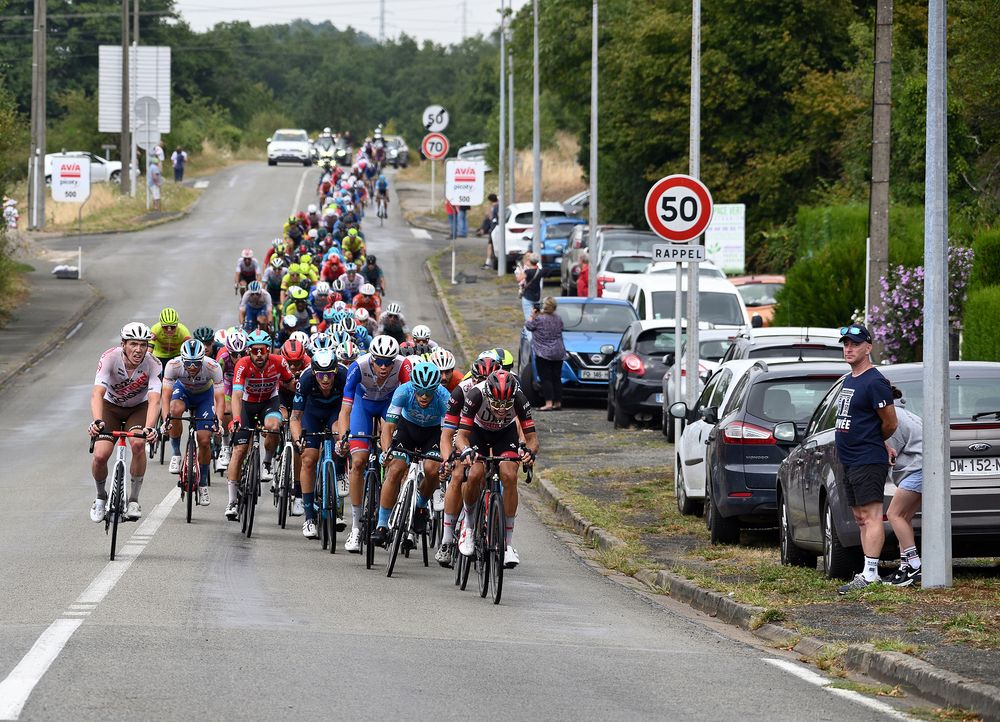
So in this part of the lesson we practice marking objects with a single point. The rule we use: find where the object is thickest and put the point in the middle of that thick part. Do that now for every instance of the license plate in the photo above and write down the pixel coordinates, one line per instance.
(975, 466)
(594, 375)
(659, 398)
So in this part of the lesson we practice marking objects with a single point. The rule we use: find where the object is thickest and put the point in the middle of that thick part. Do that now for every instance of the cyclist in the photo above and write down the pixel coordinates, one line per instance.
(374, 275)
(382, 190)
(445, 360)
(489, 423)
(294, 353)
(422, 336)
(333, 268)
(126, 395)
(320, 298)
(292, 278)
(168, 335)
(353, 243)
(373, 378)
(297, 306)
(235, 349)
(412, 422)
(193, 381)
(273, 275)
(255, 401)
(367, 299)
(255, 308)
(316, 407)
(206, 334)
(352, 281)
(247, 270)
(392, 323)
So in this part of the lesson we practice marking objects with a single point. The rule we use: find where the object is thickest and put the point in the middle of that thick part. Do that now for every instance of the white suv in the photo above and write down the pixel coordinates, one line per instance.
(102, 170)
(291, 145)
(518, 221)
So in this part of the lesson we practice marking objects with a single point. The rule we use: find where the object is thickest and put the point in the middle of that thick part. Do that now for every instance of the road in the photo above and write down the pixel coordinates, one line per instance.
(196, 621)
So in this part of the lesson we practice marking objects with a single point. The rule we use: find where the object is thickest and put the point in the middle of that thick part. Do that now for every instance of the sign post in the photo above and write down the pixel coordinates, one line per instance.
(434, 147)
(464, 185)
(679, 209)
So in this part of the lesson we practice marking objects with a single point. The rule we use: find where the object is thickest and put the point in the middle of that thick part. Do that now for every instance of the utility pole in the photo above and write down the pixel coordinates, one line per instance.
(135, 86)
(500, 249)
(878, 199)
(126, 151)
(39, 110)
(536, 147)
(381, 24)
(511, 147)
(593, 252)
(465, 15)
(694, 165)
(936, 516)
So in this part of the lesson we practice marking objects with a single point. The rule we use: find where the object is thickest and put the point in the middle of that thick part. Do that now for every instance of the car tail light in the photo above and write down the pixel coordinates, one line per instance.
(605, 279)
(740, 432)
(632, 364)
(974, 427)
(740, 494)
(518, 230)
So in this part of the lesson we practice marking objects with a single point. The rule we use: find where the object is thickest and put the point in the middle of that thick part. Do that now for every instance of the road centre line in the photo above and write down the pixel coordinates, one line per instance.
(807, 675)
(298, 193)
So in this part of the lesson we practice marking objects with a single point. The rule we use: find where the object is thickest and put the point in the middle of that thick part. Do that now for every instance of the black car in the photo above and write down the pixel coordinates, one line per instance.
(742, 458)
(635, 378)
(397, 154)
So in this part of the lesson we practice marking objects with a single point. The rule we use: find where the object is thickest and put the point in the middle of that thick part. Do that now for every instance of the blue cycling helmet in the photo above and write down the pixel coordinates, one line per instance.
(426, 377)
(321, 341)
(259, 338)
(254, 287)
(192, 351)
(328, 313)
(362, 333)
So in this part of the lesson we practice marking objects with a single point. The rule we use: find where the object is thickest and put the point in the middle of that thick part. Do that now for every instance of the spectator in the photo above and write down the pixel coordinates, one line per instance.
(158, 152)
(155, 180)
(865, 419)
(546, 328)
(906, 459)
(463, 221)
(529, 278)
(179, 160)
(486, 229)
(583, 280)
(452, 213)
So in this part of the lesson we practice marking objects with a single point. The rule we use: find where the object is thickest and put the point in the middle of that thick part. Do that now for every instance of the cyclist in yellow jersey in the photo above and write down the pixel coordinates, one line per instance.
(168, 335)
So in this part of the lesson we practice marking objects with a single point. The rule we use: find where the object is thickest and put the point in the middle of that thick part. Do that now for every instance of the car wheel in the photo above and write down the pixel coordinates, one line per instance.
(528, 386)
(684, 505)
(720, 529)
(116, 176)
(272, 162)
(611, 406)
(791, 555)
(840, 562)
(667, 426)
(307, 163)
(621, 419)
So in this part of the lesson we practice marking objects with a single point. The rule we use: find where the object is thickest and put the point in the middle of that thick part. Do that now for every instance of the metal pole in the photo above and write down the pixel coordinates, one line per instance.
(511, 147)
(694, 161)
(134, 68)
(500, 248)
(126, 152)
(433, 183)
(536, 147)
(36, 161)
(592, 208)
(936, 516)
(381, 23)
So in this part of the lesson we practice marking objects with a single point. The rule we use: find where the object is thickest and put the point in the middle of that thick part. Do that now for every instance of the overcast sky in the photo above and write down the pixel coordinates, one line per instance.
(437, 20)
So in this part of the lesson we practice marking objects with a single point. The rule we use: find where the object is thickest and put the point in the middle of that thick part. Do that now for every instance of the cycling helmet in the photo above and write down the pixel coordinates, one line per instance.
(277, 262)
(322, 288)
(320, 341)
(384, 347)
(361, 335)
(337, 286)
(483, 367)
(247, 253)
(220, 337)
(324, 360)
(393, 309)
(505, 358)
(340, 306)
(371, 259)
(301, 336)
(328, 313)
(500, 388)
(351, 268)
(358, 266)
(169, 317)
(255, 287)
(259, 338)
(192, 351)
(312, 208)
(367, 289)
(347, 324)
(294, 268)
(352, 232)
(292, 220)
(293, 351)
(305, 259)
(136, 331)
(444, 358)
(237, 342)
(278, 244)
(421, 332)
(205, 334)
(425, 377)
(361, 315)
(298, 293)
(347, 351)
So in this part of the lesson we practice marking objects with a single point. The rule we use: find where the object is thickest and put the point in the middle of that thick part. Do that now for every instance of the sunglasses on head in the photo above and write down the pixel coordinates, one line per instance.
(853, 331)
(383, 362)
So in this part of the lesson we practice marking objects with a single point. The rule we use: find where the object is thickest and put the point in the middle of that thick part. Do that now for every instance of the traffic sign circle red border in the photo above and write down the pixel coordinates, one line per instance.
(431, 136)
(692, 184)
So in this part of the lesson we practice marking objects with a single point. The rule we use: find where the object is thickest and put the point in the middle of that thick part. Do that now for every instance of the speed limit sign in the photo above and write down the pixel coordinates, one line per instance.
(435, 118)
(678, 208)
(434, 146)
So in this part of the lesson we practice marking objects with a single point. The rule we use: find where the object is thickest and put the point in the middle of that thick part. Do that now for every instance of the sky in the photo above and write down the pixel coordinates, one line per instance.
(436, 20)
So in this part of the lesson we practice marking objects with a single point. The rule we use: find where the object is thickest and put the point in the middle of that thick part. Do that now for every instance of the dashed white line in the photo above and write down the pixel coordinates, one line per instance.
(298, 193)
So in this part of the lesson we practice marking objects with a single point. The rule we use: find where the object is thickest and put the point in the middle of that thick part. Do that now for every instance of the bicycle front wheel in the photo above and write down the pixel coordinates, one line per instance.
(402, 526)
(370, 510)
(495, 536)
(482, 550)
(189, 474)
(284, 487)
(117, 506)
(330, 503)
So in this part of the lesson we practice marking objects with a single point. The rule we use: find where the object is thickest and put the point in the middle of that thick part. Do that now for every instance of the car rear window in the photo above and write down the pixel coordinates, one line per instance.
(714, 350)
(759, 294)
(627, 264)
(968, 395)
(719, 308)
(595, 317)
(656, 341)
(796, 350)
(559, 230)
(628, 242)
(526, 219)
(788, 399)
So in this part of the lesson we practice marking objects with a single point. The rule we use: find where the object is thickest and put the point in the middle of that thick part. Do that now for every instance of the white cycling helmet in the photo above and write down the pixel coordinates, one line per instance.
(444, 358)
(384, 347)
(393, 309)
(312, 208)
(322, 289)
(347, 351)
(236, 341)
(301, 336)
(367, 289)
(361, 315)
(337, 285)
(136, 331)
(247, 253)
(421, 333)
(339, 305)
(220, 337)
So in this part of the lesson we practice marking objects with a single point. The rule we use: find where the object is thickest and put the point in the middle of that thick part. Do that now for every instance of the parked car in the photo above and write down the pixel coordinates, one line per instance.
(759, 295)
(803, 342)
(616, 267)
(397, 154)
(518, 224)
(706, 269)
(289, 145)
(636, 372)
(814, 516)
(712, 346)
(592, 328)
(474, 151)
(743, 453)
(653, 297)
(102, 170)
(569, 270)
(555, 234)
(577, 204)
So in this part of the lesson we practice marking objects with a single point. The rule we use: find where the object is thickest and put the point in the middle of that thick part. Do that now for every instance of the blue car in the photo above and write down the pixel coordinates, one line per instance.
(590, 326)
(555, 233)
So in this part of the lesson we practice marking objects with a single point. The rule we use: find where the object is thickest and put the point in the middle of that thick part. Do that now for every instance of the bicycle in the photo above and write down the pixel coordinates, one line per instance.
(403, 511)
(284, 476)
(115, 510)
(190, 475)
(383, 209)
(372, 493)
(249, 488)
(331, 488)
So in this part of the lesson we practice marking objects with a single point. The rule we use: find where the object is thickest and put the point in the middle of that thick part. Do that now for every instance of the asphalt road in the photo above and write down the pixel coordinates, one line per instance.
(196, 621)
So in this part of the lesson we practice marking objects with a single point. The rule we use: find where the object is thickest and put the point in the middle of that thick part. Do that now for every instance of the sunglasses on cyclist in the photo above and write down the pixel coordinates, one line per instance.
(169, 326)
(192, 364)
(325, 375)
(424, 393)
(383, 362)
(259, 350)
(501, 405)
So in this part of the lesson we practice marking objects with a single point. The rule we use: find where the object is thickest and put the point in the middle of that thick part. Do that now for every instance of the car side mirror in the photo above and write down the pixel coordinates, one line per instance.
(786, 432)
(668, 359)
(710, 414)
(757, 321)
(679, 410)
(607, 348)
(268, 140)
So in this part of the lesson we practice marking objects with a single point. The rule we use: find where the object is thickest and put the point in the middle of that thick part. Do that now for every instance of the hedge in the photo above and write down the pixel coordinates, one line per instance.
(986, 266)
(980, 340)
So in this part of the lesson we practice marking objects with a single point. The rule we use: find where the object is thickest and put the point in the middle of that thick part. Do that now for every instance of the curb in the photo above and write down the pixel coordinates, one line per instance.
(890, 667)
(181, 215)
(455, 331)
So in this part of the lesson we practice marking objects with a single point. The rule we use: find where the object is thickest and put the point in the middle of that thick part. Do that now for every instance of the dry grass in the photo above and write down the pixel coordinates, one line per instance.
(108, 210)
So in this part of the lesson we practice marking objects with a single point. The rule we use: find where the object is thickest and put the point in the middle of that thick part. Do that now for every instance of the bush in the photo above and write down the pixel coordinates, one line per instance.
(986, 268)
(982, 309)
(826, 288)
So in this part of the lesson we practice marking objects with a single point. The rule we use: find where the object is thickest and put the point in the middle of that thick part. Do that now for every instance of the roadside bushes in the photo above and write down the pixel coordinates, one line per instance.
(986, 269)
(980, 341)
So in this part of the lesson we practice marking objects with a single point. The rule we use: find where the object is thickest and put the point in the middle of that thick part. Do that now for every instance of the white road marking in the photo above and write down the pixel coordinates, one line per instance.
(807, 675)
(232, 181)
(17, 687)
(201, 184)
(298, 193)
(76, 328)
(420, 233)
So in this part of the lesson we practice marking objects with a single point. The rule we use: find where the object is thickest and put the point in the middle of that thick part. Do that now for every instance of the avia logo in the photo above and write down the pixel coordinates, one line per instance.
(69, 170)
(980, 446)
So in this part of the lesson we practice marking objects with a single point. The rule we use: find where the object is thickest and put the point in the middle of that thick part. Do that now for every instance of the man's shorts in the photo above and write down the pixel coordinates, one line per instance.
(154, 191)
(252, 414)
(363, 413)
(503, 442)
(121, 418)
(314, 422)
(425, 439)
(202, 405)
(865, 484)
(914, 482)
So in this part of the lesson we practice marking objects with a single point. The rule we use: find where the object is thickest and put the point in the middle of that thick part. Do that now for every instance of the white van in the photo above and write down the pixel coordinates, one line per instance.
(653, 296)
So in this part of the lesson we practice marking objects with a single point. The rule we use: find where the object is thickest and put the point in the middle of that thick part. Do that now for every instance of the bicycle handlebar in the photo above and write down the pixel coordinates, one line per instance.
(117, 435)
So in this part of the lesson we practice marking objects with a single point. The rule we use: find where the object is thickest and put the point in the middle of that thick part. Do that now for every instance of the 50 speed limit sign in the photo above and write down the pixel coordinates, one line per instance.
(678, 208)
(434, 146)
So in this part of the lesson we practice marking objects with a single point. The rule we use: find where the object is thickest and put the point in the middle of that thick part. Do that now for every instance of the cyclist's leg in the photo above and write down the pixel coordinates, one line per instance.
(361, 423)
(137, 468)
(394, 471)
(248, 414)
(311, 423)
(272, 422)
(203, 407)
(179, 403)
(114, 419)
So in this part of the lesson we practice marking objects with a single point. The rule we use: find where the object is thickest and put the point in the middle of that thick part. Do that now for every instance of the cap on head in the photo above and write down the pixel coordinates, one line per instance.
(856, 332)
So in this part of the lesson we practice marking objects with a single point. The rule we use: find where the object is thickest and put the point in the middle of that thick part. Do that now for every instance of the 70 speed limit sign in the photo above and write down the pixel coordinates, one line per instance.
(678, 208)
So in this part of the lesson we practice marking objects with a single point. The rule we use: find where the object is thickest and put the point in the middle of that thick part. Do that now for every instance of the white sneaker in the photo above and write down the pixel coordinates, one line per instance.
(203, 498)
(233, 511)
(133, 511)
(309, 529)
(297, 507)
(175, 464)
(467, 542)
(340, 524)
(266, 474)
(510, 558)
(437, 501)
(99, 510)
(223, 461)
(353, 543)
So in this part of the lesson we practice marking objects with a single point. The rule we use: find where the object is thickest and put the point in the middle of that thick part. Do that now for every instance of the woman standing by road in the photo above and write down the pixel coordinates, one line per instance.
(547, 342)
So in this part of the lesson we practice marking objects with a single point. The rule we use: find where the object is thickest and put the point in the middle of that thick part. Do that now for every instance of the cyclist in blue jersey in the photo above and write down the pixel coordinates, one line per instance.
(255, 308)
(316, 407)
(413, 422)
(371, 381)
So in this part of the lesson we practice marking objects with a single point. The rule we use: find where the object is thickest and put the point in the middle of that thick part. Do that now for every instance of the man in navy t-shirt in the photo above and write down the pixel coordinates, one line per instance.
(865, 419)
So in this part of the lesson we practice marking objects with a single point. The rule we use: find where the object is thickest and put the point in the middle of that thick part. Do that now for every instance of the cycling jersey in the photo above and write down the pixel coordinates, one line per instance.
(369, 303)
(260, 384)
(404, 404)
(166, 347)
(456, 402)
(382, 186)
(228, 364)
(247, 272)
(209, 376)
(352, 286)
(477, 412)
(309, 397)
(122, 387)
(362, 374)
(255, 304)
